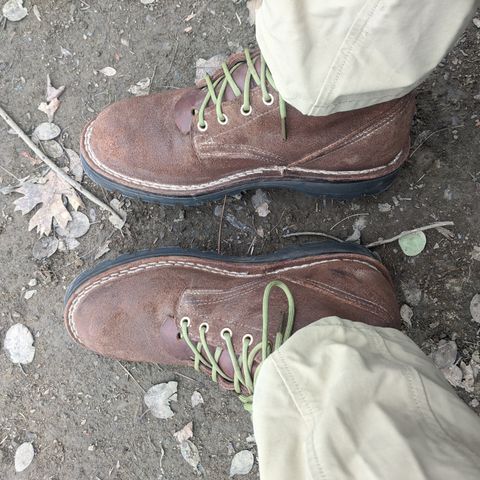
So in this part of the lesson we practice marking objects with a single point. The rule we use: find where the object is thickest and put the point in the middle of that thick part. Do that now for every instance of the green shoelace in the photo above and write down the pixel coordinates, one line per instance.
(226, 80)
(243, 378)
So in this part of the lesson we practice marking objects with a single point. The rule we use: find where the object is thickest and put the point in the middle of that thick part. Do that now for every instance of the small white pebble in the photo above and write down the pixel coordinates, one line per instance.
(29, 294)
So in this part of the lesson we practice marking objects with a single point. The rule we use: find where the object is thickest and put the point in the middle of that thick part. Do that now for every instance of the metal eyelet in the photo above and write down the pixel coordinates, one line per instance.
(270, 100)
(187, 320)
(224, 331)
(204, 324)
(202, 129)
(224, 121)
(249, 337)
(246, 113)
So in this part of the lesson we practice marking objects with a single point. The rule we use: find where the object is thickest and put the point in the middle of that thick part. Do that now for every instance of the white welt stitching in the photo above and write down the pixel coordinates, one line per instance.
(177, 263)
(247, 173)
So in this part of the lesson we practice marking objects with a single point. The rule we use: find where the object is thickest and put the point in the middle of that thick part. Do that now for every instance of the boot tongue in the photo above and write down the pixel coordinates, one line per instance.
(193, 98)
(238, 309)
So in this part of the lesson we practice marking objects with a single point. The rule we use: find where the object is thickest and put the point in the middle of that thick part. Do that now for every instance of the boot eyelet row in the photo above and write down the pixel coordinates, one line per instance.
(245, 113)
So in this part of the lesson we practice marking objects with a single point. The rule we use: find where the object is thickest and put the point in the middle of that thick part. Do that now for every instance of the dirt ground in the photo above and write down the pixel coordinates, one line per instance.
(83, 413)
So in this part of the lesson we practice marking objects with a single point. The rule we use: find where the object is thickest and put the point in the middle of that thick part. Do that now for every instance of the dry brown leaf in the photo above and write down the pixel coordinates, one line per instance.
(186, 433)
(49, 195)
(52, 92)
(50, 108)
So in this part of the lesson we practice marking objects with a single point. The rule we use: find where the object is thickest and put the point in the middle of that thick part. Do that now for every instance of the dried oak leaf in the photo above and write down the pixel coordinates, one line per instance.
(49, 108)
(52, 92)
(50, 196)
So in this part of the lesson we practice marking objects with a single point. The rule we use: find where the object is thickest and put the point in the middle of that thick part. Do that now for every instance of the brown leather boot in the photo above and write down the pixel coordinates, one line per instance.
(222, 314)
(234, 132)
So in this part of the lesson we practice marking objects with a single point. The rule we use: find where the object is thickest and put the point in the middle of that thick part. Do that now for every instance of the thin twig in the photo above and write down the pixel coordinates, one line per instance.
(131, 376)
(173, 60)
(350, 216)
(176, 373)
(408, 232)
(185, 376)
(160, 460)
(312, 234)
(153, 75)
(219, 241)
(431, 135)
(10, 173)
(53, 166)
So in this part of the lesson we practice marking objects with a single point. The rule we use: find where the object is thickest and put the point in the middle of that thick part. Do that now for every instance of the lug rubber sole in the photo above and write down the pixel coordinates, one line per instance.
(339, 190)
(288, 253)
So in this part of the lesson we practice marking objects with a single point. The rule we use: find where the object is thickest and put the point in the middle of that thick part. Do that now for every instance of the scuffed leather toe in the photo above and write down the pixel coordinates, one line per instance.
(108, 149)
(114, 317)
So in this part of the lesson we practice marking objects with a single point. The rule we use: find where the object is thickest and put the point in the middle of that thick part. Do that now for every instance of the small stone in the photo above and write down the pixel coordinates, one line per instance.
(108, 71)
(32, 282)
(29, 294)
(476, 22)
(197, 399)
(384, 207)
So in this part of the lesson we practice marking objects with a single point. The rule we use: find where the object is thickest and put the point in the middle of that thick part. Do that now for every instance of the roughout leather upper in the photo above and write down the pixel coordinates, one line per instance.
(138, 143)
(133, 311)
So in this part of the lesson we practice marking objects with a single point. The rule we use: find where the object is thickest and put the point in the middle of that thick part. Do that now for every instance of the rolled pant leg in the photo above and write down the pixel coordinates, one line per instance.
(335, 55)
(343, 400)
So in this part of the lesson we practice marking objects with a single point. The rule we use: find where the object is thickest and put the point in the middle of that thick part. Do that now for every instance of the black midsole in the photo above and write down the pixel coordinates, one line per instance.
(335, 189)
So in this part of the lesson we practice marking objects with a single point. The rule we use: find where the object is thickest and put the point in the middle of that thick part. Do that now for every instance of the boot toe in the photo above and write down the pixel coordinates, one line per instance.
(119, 320)
(131, 142)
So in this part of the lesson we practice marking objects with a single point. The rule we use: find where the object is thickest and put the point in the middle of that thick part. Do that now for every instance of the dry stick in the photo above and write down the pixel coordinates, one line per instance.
(350, 216)
(373, 244)
(408, 232)
(312, 234)
(53, 166)
(131, 376)
(431, 135)
(219, 241)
